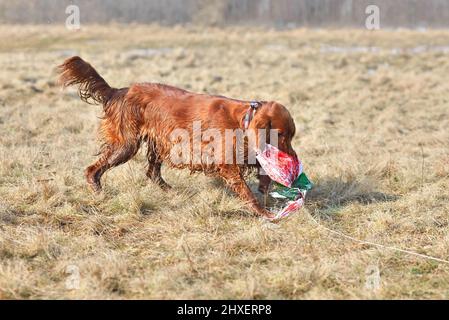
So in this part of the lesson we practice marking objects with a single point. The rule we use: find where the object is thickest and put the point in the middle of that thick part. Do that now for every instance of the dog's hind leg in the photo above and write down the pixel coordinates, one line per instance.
(111, 156)
(154, 167)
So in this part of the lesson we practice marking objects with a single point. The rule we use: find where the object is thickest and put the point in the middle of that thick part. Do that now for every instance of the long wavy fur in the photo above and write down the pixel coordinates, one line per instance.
(92, 89)
(151, 112)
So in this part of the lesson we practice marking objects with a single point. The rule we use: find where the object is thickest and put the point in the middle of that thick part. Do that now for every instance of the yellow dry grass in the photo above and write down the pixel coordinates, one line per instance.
(371, 110)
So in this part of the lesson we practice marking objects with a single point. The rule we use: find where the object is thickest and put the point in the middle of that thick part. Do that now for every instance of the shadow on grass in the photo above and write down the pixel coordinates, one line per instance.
(336, 193)
(327, 197)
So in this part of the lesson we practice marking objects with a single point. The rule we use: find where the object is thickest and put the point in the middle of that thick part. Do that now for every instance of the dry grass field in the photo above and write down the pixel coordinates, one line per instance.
(371, 109)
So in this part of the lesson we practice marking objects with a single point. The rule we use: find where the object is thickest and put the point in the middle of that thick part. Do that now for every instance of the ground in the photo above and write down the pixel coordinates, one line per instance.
(371, 110)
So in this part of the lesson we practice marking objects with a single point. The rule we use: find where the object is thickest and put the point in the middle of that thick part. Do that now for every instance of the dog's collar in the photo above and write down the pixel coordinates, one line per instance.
(249, 115)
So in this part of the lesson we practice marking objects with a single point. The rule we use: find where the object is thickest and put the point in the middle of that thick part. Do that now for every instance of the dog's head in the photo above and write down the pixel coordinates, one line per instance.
(278, 123)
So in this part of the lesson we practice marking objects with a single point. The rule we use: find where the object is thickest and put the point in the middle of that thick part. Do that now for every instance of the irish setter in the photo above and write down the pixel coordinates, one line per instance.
(150, 112)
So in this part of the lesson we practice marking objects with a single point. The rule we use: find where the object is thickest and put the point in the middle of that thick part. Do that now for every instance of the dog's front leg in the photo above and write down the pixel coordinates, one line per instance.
(264, 182)
(234, 179)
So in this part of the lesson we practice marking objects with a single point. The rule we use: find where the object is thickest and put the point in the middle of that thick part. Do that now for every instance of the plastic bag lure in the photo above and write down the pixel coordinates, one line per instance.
(290, 182)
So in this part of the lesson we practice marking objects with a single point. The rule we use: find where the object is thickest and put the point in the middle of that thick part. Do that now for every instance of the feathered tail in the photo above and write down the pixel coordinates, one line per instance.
(92, 88)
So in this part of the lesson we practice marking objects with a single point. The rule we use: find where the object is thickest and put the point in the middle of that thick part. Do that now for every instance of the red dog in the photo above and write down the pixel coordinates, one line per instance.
(151, 113)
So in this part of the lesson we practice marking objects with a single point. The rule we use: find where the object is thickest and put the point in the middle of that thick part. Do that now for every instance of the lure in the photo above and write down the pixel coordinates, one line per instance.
(290, 182)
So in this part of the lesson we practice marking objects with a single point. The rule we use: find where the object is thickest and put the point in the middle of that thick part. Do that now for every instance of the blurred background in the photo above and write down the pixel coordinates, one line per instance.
(272, 13)
(371, 113)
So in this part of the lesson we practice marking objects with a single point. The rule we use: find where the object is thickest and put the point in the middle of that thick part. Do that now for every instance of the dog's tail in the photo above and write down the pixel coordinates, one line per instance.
(92, 88)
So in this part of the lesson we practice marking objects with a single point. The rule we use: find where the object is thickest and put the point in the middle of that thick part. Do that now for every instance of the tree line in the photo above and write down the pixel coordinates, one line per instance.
(274, 13)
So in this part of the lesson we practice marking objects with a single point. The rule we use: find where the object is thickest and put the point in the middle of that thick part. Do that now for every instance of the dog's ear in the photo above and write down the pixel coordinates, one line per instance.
(262, 119)
(262, 125)
(262, 122)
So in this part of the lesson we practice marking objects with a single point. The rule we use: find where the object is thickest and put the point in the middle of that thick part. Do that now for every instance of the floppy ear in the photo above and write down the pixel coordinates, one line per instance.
(262, 119)
(262, 125)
